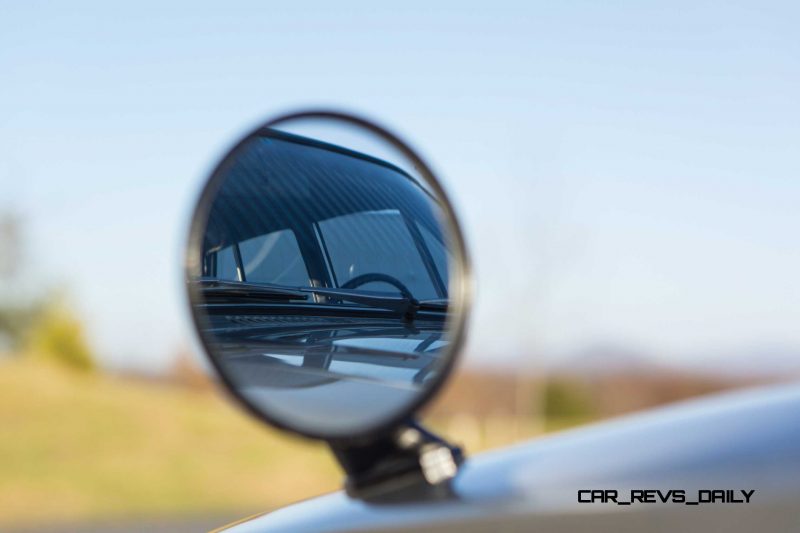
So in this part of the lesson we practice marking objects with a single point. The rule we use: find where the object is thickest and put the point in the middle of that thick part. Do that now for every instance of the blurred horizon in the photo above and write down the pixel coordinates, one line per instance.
(626, 177)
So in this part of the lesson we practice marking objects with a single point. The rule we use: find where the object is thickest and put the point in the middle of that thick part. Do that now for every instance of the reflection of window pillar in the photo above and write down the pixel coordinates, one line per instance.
(237, 256)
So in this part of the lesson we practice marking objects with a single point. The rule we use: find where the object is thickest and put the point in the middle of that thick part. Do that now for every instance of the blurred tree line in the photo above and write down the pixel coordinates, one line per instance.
(567, 398)
(36, 322)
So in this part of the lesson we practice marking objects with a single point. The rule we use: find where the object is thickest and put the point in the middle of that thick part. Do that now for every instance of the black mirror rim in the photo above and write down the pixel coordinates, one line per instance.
(457, 319)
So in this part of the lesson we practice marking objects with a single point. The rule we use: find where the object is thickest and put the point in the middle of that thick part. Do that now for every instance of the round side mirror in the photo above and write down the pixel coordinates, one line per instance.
(327, 276)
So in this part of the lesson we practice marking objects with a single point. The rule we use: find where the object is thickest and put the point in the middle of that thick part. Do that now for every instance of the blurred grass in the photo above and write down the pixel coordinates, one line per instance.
(90, 446)
(84, 447)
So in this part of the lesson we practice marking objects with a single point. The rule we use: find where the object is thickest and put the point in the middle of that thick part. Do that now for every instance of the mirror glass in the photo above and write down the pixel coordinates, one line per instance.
(326, 275)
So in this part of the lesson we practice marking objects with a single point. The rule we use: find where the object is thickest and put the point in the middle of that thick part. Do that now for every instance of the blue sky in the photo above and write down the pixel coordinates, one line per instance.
(626, 174)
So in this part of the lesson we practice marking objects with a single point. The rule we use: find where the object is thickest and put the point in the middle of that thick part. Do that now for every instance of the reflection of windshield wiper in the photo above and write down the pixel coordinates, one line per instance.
(399, 304)
(402, 305)
(225, 288)
(437, 304)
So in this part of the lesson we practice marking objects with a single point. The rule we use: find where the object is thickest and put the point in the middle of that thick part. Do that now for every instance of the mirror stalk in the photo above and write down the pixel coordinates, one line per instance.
(409, 463)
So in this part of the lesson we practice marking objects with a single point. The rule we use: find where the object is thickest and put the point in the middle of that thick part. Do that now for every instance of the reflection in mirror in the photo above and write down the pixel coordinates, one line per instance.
(321, 278)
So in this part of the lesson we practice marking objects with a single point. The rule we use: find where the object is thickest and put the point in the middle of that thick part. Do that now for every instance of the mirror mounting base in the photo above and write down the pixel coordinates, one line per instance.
(408, 463)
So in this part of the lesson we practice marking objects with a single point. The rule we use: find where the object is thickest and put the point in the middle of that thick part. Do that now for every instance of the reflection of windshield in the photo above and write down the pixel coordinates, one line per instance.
(383, 244)
(324, 217)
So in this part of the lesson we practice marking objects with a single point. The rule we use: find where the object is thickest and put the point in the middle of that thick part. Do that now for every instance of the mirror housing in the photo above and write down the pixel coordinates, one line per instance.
(329, 285)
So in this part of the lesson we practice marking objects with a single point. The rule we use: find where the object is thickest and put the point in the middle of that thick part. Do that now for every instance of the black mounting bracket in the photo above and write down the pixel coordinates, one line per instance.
(408, 462)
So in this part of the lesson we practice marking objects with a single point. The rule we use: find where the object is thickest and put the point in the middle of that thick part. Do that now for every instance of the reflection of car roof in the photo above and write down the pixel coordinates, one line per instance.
(252, 201)
(273, 133)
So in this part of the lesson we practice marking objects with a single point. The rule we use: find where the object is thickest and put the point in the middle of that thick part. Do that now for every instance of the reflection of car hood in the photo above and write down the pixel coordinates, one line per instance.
(302, 351)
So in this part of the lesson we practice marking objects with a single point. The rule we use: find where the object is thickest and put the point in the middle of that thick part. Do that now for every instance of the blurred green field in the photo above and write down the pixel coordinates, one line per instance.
(78, 447)
(82, 447)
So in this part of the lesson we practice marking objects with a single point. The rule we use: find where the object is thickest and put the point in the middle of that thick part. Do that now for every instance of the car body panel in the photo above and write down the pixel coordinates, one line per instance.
(742, 440)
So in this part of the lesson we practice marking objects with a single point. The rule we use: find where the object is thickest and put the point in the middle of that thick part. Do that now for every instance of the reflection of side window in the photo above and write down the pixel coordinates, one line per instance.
(376, 242)
(271, 258)
(274, 258)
